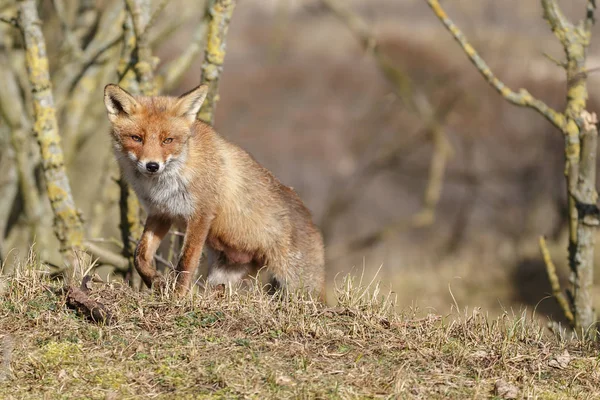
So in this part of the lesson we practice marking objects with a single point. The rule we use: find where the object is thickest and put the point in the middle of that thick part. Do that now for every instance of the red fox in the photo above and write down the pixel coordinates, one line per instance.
(185, 173)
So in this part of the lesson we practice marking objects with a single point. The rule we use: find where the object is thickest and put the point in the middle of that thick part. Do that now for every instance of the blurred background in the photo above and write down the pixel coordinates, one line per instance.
(415, 169)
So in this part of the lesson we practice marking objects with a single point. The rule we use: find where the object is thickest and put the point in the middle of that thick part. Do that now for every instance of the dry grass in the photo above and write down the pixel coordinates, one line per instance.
(249, 345)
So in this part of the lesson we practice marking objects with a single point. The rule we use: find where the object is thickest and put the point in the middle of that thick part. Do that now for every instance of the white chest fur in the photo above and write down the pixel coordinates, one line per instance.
(166, 194)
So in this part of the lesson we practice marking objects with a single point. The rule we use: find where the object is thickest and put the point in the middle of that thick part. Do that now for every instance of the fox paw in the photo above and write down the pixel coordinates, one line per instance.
(159, 284)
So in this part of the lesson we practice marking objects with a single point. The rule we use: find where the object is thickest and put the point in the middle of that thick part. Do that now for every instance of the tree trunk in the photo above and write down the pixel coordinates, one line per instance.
(219, 13)
(581, 253)
(68, 225)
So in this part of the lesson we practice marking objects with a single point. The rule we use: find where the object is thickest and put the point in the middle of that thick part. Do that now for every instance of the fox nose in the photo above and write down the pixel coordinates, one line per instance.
(152, 166)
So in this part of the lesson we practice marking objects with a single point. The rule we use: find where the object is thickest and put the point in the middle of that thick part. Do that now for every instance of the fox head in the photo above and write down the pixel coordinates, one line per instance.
(152, 132)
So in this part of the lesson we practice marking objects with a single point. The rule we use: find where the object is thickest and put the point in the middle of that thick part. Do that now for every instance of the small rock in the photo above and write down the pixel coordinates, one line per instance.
(506, 390)
(111, 396)
(62, 374)
(284, 380)
(479, 354)
(562, 361)
(336, 332)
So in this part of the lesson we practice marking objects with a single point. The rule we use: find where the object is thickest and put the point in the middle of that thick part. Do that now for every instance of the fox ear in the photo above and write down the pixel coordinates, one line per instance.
(189, 103)
(118, 101)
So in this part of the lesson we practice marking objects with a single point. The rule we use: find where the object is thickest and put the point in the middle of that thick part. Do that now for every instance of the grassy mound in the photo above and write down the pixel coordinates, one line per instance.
(249, 345)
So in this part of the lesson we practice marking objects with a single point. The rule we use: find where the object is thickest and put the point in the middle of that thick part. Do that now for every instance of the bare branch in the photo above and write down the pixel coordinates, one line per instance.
(562, 64)
(86, 18)
(172, 72)
(109, 35)
(144, 67)
(161, 34)
(522, 98)
(155, 16)
(11, 20)
(353, 21)
(91, 57)
(557, 20)
(106, 256)
(71, 41)
(441, 153)
(399, 78)
(554, 282)
(76, 111)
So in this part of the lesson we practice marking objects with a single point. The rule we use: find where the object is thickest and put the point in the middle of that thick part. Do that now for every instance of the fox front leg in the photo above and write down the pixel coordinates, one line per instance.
(195, 236)
(155, 230)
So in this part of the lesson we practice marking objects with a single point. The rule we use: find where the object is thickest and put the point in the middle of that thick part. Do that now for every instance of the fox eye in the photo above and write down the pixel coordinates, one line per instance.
(136, 138)
(167, 140)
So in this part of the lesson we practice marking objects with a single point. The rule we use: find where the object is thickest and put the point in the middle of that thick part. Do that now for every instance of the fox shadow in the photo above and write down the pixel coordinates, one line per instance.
(531, 288)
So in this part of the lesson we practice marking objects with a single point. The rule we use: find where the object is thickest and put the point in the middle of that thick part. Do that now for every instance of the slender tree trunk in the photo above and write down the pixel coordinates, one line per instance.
(68, 225)
(582, 251)
(219, 14)
(580, 162)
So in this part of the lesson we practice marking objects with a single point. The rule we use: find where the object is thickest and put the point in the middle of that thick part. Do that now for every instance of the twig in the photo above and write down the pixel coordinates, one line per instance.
(106, 256)
(155, 15)
(399, 78)
(86, 19)
(162, 34)
(173, 71)
(522, 98)
(559, 63)
(71, 42)
(91, 58)
(113, 241)
(69, 77)
(9, 20)
(164, 262)
(557, 20)
(441, 152)
(135, 10)
(554, 282)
